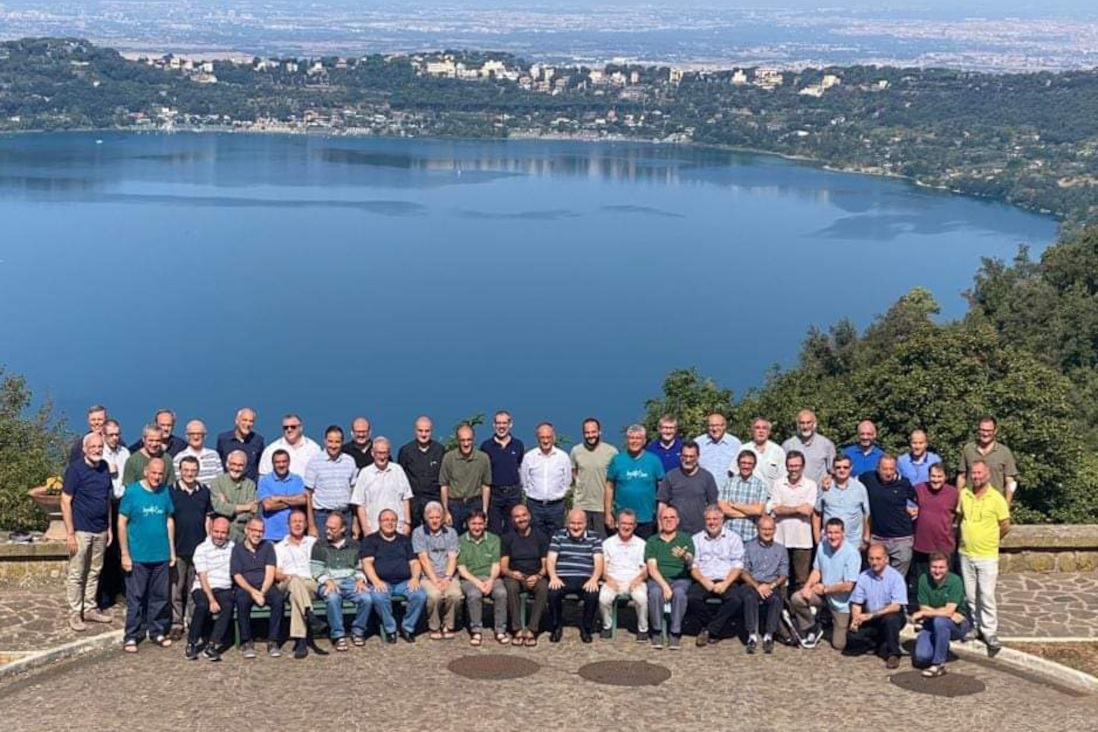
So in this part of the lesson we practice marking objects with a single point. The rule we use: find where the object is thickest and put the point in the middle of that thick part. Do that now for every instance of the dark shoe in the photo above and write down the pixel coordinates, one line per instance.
(556, 635)
(655, 640)
(191, 653)
(391, 638)
(702, 639)
(248, 649)
(605, 634)
(768, 645)
(406, 636)
(176, 634)
(274, 649)
(675, 644)
(301, 649)
(585, 636)
(892, 662)
(751, 646)
(642, 637)
(211, 653)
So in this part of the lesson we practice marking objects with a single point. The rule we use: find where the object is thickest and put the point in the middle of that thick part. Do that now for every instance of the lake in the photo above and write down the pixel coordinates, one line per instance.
(336, 276)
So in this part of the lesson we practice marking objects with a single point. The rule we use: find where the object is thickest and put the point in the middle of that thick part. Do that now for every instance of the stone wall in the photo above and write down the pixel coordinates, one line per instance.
(30, 565)
(1051, 548)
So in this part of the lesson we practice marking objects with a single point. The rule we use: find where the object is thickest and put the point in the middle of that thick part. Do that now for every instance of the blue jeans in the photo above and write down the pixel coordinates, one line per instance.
(932, 643)
(345, 590)
(148, 600)
(383, 606)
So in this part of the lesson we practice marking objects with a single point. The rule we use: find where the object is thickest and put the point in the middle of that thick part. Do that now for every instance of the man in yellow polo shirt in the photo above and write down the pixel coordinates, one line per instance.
(985, 520)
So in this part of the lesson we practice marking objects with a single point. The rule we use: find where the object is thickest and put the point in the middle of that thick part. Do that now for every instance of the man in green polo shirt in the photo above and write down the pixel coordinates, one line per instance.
(465, 479)
(941, 601)
(997, 456)
(478, 567)
(668, 555)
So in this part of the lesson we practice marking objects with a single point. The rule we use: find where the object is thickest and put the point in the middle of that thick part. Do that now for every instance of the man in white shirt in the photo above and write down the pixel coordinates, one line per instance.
(717, 450)
(624, 573)
(300, 448)
(212, 591)
(209, 462)
(769, 455)
(793, 503)
(546, 475)
(383, 485)
(294, 575)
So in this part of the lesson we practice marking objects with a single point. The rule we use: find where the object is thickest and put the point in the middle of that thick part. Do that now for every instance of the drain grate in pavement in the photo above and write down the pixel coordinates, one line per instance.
(625, 673)
(495, 667)
(949, 685)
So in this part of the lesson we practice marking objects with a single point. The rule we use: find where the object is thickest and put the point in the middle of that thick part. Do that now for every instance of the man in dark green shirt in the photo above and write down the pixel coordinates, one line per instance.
(941, 598)
(668, 555)
(478, 567)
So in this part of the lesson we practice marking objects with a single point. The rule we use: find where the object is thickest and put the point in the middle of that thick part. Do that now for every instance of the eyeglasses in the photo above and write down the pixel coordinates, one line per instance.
(113, 434)
(196, 434)
(288, 427)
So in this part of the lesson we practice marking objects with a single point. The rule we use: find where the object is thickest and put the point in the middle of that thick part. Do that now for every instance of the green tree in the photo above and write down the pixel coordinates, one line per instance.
(690, 399)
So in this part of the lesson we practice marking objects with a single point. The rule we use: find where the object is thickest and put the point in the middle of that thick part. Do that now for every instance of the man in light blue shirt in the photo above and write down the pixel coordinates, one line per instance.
(279, 493)
(915, 464)
(834, 572)
(717, 449)
(718, 561)
(845, 499)
(877, 606)
(865, 453)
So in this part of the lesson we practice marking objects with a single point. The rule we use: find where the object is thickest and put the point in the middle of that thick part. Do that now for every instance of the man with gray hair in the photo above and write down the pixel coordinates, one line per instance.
(209, 462)
(301, 448)
(382, 485)
(667, 445)
(235, 496)
(546, 476)
(164, 419)
(152, 446)
(818, 451)
(624, 574)
(437, 546)
(86, 508)
(718, 562)
(97, 419)
(769, 456)
(632, 479)
(243, 437)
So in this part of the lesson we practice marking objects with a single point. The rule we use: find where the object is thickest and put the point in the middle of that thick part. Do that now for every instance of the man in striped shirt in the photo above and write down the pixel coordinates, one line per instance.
(209, 462)
(329, 478)
(575, 564)
(212, 591)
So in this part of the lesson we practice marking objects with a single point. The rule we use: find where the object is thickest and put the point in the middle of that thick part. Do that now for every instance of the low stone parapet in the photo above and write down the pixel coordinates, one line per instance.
(28, 565)
(1050, 548)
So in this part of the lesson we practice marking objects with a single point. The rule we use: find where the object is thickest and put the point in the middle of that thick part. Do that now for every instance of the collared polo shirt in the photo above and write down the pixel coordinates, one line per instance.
(191, 510)
(253, 563)
(465, 475)
(849, 503)
(392, 557)
(360, 455)
(769, 461)
(276, 524)
(819, 453)
(718, 555)
(330, 479)
(214, 560)
(336, 562)
(295, 559)
(524, 552)
(863, 462)
(147, 513)
(575, 555)
(624, 559)
(980, 517)
(793, 532)
(737, 490)
(718, 457)
(875, 591)
(505, 460)
(252, 445)
(589, 470)
(479, 556)
(635, 479)
(937, 513)
(951, 589)
(226, 494)
(422, 467)
(91, 489)
(546, 477)
(135, 467)
(209, 462)
(670, 455)
(838, 565)
(378, 489)
(660, 550)
(917, 471)
(438, 546)
(173, 445)
(888, 506)
(765, 562)
(999, 459)
(689, 494)
(300, 455)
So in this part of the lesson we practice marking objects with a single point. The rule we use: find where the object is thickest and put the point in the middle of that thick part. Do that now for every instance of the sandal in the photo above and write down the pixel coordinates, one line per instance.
(475, 640)
(447, 634)
(531, 640)
(503, 639)
(358, 640)
(341, 644)
(163, 641)
(519, 638)
(436, 635)
(130, 646)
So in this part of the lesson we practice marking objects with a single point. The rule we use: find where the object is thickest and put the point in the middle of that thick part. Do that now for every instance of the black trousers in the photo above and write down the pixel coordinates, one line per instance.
(202, 614)
(882, 632)
(714, 622)
(244, 603)
(502, 499)
(112, 581)
(771, 609)
(573, 585)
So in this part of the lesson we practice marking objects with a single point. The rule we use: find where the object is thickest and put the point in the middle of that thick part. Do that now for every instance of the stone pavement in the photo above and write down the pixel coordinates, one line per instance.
(1051, 605)
(34, 620)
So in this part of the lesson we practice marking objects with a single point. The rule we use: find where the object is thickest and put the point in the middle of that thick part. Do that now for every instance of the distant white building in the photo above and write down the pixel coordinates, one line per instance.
(739, 77)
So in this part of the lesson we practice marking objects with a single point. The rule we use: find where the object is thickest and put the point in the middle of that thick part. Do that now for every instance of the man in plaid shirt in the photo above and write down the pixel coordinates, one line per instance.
(743, 497)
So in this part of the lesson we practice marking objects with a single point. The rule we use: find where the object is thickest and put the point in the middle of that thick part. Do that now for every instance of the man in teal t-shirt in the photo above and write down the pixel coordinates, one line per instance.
(631, 482)
(146, 532)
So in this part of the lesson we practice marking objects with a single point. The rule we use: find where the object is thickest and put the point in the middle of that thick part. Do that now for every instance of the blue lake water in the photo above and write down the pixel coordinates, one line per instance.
(335, 276)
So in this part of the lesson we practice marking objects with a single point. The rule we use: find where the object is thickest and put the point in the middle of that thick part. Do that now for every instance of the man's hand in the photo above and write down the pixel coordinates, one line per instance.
(313, 532)
(917, 616)
(765, 590)
(806, 509)
(485, 587)
(215, 606)
(449, 520)
(413, 584)
(826, 481)
(913, 512)
(719, 588)
(110, 536)
(70, 544)
(330, 587)
(259, 598)
(381, 587)
(360, 585)
(613, 585)
(556, 583)
(680, 552)
(173, 560)
(127, 563)
(591, 585)
(251, 507)
(531, 581)
(608, 519)
(443, 583)
(667, 593)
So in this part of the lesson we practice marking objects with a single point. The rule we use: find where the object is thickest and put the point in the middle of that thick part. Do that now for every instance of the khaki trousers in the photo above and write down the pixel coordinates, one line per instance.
(444, 604)
(82, 579)
(302, 592)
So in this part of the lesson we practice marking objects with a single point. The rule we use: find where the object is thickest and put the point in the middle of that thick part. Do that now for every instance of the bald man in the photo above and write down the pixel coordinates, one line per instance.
(209, 462)
(575, 563)
(421, 460)
(818, 451)
(877, 607)
(243, 437)
(865, 453)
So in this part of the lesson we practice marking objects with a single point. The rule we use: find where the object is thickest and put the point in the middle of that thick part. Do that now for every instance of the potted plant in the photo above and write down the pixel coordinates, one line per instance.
(48, 498)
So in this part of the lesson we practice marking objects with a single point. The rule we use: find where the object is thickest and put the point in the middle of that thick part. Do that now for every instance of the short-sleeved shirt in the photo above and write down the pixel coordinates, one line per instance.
(849, 503)
(589, 471)
(670, 455)
(465, 474)
(277, 523)
(524, 552)
(765, 562)
(215, 561)
(300, 455)
(378, 489)
(818, 453)
(505, 460)
(252, 564)
(793, 532)
(718, 456)
(209, 462)
(252, 446)
(438, 546)
(875, 591)
(191, 510)
(838, 565)
(331, 480)
(861, 461)
(134, 469)
(917, 471)
(952, 590)
(362, 455)
(479, 556)
(1000, 463)
(575, 556)
(744, 492)
(669, 566)
(91, 489)
(295, 560)
(147, 515)
(980, 517)
(624, 559)
(769, 461)
(422, 467)
(689, 494)
(937, 512)
(718, 555)
(888, 506)
(392, 558)
(635, 482)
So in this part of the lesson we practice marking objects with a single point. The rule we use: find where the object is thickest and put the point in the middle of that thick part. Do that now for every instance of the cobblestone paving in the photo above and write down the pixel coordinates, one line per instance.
(406, 687)
(37, 620)
(1053, 605)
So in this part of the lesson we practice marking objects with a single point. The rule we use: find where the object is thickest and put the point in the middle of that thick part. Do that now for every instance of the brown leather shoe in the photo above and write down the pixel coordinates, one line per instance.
(892, 662)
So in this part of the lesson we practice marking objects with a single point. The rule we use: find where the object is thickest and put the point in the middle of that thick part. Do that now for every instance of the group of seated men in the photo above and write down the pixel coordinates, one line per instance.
(724, 534)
